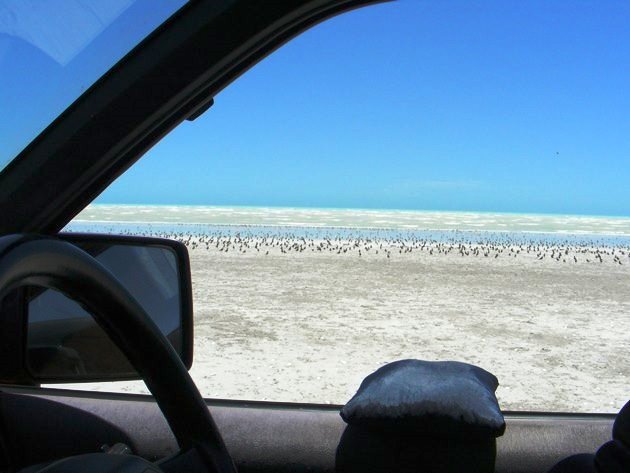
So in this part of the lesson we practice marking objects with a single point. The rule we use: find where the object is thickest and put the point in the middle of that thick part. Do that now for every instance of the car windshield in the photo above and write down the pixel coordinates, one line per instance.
(52, 52)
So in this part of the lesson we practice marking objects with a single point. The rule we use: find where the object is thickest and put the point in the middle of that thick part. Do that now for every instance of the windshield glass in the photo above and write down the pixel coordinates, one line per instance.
(52, 52)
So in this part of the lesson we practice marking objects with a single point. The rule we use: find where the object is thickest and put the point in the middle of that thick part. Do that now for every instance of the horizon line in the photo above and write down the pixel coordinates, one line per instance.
(362, 209)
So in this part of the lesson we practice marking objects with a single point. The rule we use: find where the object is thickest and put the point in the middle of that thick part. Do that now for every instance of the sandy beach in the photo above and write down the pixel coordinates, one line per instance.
(293, 323)
(286, 311)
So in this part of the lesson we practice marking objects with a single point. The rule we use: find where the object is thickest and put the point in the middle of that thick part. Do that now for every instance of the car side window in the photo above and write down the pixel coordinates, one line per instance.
(429, 180)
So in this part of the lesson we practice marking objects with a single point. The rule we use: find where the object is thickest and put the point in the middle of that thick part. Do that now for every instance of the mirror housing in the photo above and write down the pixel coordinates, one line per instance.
(62, 341)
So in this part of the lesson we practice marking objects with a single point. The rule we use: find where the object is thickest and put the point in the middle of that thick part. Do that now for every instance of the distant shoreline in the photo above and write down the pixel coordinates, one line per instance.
(349, 220)
(362, 209)
(339, 228)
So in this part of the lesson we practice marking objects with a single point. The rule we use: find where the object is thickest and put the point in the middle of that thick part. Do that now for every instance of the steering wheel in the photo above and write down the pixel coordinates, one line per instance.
(55, 264)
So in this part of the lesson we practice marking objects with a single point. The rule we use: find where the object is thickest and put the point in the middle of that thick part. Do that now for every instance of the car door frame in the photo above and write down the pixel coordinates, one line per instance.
(171, 75)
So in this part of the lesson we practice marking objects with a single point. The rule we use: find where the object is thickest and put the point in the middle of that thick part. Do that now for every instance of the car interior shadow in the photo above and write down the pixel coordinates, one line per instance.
(366, 450)
(37, 430)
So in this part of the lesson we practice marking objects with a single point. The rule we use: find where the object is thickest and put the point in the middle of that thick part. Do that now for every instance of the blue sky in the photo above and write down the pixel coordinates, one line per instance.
(446, 105)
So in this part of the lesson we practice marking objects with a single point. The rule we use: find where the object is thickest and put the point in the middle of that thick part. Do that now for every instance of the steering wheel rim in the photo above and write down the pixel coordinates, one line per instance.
(55, 264)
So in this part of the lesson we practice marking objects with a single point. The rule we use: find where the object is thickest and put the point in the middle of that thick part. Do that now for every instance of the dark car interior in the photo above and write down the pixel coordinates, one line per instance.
(172, 76)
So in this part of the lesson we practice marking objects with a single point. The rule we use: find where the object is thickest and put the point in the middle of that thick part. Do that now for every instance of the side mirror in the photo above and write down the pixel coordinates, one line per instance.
(63, 341)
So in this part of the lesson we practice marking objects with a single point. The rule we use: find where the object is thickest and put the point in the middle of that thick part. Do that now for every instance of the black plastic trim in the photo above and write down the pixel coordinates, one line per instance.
(185, 280)
(282, 405)
(203, 48)
(186, 309)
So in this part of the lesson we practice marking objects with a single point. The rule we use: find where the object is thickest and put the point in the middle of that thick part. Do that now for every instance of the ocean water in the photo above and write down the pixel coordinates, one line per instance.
(353, 223)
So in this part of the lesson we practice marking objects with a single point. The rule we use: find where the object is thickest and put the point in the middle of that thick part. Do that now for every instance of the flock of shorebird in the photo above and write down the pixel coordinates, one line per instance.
(361, 246)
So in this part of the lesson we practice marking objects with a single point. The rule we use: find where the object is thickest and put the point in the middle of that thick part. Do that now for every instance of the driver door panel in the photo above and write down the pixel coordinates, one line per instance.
(45, 424)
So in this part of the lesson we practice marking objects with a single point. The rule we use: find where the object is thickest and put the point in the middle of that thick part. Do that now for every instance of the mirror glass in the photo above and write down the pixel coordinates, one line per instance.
(65, 343)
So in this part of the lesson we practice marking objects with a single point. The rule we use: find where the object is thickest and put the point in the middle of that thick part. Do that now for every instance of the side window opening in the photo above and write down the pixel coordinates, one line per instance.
(405, 181)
